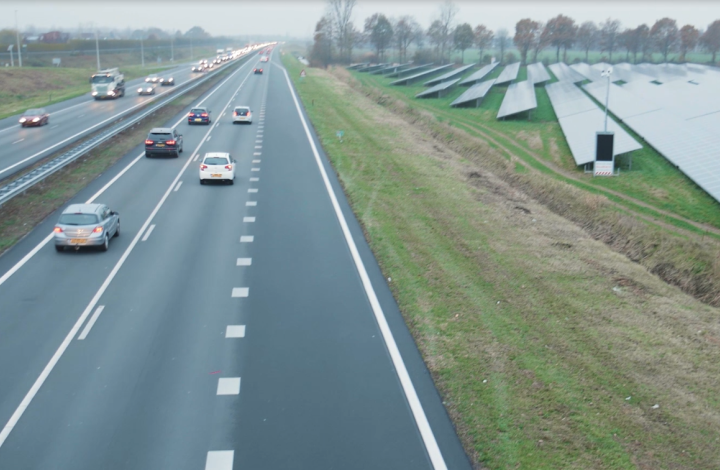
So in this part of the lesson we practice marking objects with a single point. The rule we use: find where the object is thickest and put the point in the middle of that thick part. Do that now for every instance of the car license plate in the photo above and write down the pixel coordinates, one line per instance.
(160, 145)
(216, 175)
(78, 241)
(198, 120)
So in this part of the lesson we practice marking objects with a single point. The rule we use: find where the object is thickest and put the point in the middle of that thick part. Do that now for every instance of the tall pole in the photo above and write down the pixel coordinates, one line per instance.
(172, 51)
(97, 50)
(191, 51)
(607, 73)
(142, 52)
(17, 35)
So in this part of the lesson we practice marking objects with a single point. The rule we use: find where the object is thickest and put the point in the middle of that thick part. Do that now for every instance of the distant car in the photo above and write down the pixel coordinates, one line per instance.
(264, 58)
(197, 68)
(86, 225)
(199, 116)
(217, 166)
(242, 114)
(163, 141)
(146, 90)
(258, 71)
(167, 81)
(152, 78)
(34, 117)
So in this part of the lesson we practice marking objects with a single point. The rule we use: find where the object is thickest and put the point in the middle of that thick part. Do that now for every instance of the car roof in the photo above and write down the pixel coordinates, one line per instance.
(216, 154)
(82, 208)
(199, 107)
(161, 130)
(242, 107)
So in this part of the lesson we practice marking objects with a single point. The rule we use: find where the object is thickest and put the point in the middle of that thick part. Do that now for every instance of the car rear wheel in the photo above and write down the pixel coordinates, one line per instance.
(59, 248)
(106, 244)
(202, 181)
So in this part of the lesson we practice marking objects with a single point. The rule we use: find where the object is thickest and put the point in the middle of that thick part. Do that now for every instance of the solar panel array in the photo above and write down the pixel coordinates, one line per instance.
(449, 75)
(537, 74)
(686, 143)
(438, 89)
(509, 74)
(520, 97)
(410, 70)
(565, 74)
(391, 68)
(474, 93)
(370, 68)
(587, 71)
(480, 74)
(418, 76)
(580, 119)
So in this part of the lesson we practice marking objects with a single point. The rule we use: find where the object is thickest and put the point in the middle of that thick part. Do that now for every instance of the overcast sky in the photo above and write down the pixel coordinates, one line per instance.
(298, 18)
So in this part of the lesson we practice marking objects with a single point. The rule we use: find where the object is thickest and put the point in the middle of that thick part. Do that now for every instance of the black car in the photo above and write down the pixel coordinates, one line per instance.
(167, 81)
(199, 116)
(258, 71)
(163, 141)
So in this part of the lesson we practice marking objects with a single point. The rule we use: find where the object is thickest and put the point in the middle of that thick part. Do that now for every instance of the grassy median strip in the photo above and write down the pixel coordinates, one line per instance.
(550, 349)
(22, 213)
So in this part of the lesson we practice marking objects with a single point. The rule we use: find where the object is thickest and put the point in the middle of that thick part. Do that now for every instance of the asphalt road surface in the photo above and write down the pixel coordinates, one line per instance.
(241, 326)
(74, 119)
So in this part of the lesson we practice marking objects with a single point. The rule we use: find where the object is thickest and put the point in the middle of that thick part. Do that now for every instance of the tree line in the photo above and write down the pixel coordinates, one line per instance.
(336, 37)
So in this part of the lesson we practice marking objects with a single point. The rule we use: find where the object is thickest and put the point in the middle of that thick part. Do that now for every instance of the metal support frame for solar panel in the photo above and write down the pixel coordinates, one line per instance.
(509, 74)
(536, 73)
(520, 97)
(419, 76)
(410, 70)
(474, 95)
(448, 76)
(479, 75)
(390, 68)
(441, 89)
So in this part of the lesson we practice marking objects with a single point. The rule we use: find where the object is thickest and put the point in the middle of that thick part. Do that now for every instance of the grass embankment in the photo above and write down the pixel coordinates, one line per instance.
(34, 87)
(22, 213)
(550, 349)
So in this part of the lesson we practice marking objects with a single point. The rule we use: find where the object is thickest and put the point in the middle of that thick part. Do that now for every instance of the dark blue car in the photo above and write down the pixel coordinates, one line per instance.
(199, 116)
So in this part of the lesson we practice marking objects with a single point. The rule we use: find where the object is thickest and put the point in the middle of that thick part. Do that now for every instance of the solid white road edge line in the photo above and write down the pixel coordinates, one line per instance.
(92, 321)
(17, 414)
(235, 331)
(418, 412)
(47, 239)
(149, 231)
(219, 460)
(228, 386)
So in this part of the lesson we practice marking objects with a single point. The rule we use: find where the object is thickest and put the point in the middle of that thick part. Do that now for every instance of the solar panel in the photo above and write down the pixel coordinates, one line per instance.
(509, 74)
(418, 76)
(474, 93)
(449, 75)
(565, 74)
(356, 66)
(438, 89)
(370, 68)
(623, 103)
(567, 99)
(407, 71)
(391, 68)
(480, 74)
(520, 97)
(588, 72)
(537, 74)
(684, 99)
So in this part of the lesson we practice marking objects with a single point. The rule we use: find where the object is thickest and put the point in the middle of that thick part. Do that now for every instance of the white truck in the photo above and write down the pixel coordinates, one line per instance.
(220, 51)
(108, 84)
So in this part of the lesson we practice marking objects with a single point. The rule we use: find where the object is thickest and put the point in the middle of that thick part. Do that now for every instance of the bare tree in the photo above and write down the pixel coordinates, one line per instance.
(463, 38)
(560, 33)
(644, 45)
(340, 13)
(609, 31)
(448, 12)
(525, 36)
(483, 38)
(664, 35)
(436, 36)
(322, 50)
(711, 39)
(587, 37)
(541, 40)
(689, 36)
(407, 31)
(502, 38)
(380, 33)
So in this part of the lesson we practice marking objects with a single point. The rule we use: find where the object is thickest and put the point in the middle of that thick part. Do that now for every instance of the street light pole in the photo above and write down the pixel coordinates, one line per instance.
(172, 50)
(191, 51)
(17, 34)
(142, 52)
(97, 50)
(607, 73)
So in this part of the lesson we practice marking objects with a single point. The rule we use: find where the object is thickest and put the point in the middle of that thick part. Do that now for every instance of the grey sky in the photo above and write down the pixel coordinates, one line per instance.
(298, 18)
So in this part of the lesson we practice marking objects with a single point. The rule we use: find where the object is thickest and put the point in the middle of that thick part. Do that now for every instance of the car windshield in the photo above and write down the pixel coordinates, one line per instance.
(34, 112)
(216, 161)
(198, 111)
(242, 111)
(78, 219)
(101, 79)
(160, 136)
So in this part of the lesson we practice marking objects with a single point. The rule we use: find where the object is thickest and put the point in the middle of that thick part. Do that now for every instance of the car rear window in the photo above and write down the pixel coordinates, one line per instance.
(163, 136)
(215, 161)
(242, 111)
(78, 219)
(198, 111)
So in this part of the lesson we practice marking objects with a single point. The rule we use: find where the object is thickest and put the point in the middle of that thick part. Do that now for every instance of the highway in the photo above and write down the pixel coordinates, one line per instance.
(243, 326)
(73, 119)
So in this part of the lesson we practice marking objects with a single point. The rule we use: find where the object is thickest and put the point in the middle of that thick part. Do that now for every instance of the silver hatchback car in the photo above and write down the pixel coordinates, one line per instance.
(86, 225)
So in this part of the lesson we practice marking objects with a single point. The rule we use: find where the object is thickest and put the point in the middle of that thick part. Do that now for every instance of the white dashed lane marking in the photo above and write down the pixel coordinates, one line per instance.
(257, 154)
(240, 291)
(177, 186)
(254, 179)
(196, 157)
(235, 331)
(149, 231)
(256, 161)
(92, 321)
(251, 203)
(247, 239)
(208, 139)
(258, 146)
(17, 141)
(53, 127)
(255, 169)
(248, 219)
(252, 190)
(258, 141)
(228, 386)
(219, 460)
(244, 262)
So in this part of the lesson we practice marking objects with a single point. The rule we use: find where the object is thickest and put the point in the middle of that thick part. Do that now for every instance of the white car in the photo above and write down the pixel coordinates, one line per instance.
(242, 114)
(217, 166)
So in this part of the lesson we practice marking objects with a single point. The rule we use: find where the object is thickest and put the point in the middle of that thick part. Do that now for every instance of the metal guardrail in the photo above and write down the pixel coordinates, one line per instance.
(26, 181)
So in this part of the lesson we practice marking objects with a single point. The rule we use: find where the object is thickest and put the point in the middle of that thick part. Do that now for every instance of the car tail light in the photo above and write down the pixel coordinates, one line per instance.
(204, 115)
(149, 142)
(203, 167)
(57, 230)
(191, 115)
(228, 167)
(170, 142)
(98, 229)
(234, 113)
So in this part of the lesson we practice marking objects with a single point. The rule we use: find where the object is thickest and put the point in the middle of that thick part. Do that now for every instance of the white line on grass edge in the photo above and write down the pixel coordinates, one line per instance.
(418, 412)
(5, 432)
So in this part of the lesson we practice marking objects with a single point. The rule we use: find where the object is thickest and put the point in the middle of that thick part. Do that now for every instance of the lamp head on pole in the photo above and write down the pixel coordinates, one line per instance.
(607, 72)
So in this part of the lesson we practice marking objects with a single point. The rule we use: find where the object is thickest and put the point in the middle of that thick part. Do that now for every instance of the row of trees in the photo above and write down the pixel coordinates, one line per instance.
(336, 37)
